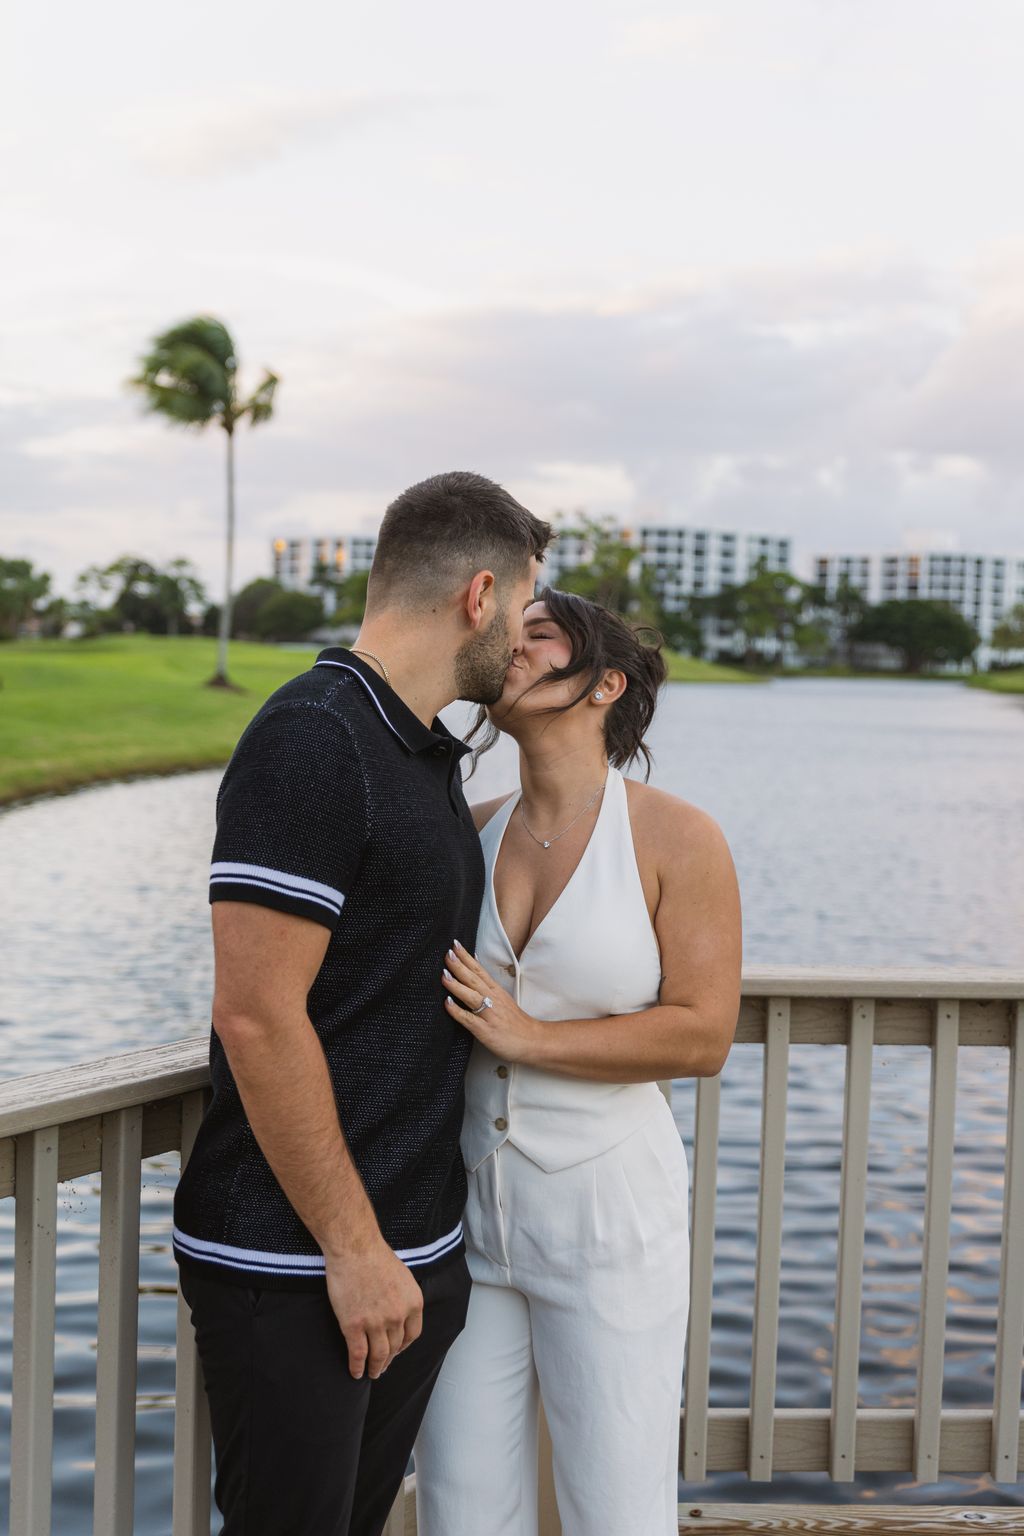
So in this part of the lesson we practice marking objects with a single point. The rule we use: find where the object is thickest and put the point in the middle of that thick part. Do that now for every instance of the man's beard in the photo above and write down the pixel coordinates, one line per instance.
(483, 662)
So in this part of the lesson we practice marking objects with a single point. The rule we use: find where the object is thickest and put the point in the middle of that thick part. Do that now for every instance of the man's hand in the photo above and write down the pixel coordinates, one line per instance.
(378, 1305)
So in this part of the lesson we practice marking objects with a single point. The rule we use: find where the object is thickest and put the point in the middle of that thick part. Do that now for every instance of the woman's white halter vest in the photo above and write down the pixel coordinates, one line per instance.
(594, 954)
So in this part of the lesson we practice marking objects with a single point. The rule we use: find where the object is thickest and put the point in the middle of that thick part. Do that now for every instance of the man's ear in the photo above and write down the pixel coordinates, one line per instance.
(480, 598)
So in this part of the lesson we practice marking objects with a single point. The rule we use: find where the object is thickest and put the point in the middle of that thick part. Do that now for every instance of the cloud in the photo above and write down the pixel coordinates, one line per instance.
(846, 405)
(214, 137)
(568, 486)
(108, 440)
(677, 32)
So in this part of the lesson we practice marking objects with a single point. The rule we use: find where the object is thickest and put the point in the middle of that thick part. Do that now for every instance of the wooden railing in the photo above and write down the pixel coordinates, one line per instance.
(107, 1116)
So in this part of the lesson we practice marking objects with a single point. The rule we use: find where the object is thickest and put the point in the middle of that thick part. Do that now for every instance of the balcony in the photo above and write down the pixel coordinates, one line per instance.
(107, 1116)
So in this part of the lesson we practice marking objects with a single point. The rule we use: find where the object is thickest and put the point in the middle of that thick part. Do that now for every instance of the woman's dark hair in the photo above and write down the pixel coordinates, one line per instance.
(601, 641)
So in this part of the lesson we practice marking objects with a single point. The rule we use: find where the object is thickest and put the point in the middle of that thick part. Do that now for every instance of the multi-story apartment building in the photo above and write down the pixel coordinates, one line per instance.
(684, 561)
(983, 588)
(702, 561)
(295, 560)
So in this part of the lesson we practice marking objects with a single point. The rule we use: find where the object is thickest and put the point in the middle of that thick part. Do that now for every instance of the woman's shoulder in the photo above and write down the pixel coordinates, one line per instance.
(483, 810)
(669, 824)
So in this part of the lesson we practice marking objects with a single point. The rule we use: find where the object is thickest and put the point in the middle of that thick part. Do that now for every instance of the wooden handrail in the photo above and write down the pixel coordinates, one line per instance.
(110, 1114)
(164, 1071)
(100, 1087)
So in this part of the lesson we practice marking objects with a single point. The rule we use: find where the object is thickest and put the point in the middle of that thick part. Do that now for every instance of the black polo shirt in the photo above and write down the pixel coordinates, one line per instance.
(339, 805)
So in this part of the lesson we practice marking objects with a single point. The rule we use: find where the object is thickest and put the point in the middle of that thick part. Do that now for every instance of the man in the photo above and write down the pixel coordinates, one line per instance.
(318, 1222)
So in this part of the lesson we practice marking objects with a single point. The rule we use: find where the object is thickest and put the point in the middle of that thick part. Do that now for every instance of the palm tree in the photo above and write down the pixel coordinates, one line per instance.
(190, 376)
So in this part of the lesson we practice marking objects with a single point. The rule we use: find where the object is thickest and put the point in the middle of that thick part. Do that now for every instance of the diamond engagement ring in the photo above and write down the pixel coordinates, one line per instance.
(485, 1004)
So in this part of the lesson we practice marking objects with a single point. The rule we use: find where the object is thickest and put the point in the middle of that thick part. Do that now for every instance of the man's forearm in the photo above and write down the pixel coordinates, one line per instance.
(285, 1088)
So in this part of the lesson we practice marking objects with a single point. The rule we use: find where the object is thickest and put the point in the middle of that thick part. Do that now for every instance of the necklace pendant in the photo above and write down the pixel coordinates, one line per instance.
(546, 843)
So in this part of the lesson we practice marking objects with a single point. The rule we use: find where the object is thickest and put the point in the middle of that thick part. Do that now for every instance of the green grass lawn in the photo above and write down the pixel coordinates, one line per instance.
(1000, 682)
(687, 669)
(74, 712)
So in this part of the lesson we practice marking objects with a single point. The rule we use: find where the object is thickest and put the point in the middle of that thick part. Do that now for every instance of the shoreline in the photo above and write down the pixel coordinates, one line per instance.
(72, 784)
(79, 714)
(74, 714)
(71, 781)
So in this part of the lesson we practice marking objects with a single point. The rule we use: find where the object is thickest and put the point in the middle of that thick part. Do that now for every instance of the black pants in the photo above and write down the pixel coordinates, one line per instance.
(303, 1449)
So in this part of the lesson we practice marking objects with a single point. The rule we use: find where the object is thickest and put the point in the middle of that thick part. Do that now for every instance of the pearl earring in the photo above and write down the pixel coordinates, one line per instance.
(598, 694)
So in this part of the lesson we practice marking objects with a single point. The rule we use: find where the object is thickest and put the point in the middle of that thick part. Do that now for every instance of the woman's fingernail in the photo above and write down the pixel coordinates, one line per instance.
(452, 955)
(447, 973)
(457, 944)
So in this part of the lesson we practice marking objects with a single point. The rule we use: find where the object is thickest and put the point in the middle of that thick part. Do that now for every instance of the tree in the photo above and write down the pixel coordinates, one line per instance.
(681, 627)
(840, 616)
(177, 589)
(249, 603)
(53, 616)
(289, 616)
(91, 605)
(769, 605)
(350, 599)
(326, 582)
(605, 576)
(1008, 634)
(146, 598)
(190, 376)
(21, 588)
(926, 632)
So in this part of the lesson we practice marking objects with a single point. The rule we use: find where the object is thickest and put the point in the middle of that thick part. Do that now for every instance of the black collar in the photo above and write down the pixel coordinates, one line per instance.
(393, 710)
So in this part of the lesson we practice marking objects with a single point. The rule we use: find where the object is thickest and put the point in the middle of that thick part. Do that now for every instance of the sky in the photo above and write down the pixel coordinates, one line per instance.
(736, 265)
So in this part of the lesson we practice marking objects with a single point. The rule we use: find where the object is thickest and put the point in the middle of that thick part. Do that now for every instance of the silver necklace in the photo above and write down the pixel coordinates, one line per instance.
(545, 842)
(356, 652)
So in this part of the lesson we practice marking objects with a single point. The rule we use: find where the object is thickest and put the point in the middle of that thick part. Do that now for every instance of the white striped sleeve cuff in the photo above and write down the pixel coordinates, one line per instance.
(278, 889)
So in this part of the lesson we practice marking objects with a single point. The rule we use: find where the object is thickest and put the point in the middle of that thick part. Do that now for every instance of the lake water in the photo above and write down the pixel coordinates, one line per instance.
(871, 823)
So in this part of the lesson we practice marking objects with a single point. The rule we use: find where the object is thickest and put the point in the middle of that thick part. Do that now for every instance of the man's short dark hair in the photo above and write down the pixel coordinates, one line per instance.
(437, 534)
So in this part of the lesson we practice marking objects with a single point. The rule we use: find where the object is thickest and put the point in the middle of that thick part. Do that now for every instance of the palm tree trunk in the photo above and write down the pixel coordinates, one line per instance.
(224, 629)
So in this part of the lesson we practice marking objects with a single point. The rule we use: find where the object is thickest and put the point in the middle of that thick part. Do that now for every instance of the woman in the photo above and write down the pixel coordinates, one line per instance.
(608, 956)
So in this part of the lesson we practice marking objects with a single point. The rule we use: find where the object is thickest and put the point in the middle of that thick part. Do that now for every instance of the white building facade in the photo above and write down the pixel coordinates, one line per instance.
(294, 561)
(983, 588)
(684, 561)
(698, 562)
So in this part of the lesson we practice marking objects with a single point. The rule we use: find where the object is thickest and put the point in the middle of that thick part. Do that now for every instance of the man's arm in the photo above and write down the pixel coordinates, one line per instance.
(266, 962)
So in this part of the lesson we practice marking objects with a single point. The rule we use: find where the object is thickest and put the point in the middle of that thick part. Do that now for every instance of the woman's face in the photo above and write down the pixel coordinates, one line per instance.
(544, 646)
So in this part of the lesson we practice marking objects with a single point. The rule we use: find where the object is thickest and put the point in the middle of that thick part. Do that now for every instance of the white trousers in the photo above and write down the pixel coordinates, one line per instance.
(580, 1298)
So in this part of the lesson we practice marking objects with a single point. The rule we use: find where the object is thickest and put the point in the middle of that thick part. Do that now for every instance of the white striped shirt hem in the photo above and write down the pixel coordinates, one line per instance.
(252, 1260)
(225, 873)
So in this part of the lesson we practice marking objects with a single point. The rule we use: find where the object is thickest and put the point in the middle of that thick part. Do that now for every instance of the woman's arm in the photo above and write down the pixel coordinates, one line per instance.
(690, 1030)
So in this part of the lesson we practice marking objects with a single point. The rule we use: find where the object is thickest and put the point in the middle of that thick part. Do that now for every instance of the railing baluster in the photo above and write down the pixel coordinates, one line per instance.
(935, 1252)
(191, 1509)
(395, 1523)
(1010, 1331)
(850, 1255)
(769, 1241)
(35, 1300)
(117, 1334)
(698, 1338)
(549, 1521)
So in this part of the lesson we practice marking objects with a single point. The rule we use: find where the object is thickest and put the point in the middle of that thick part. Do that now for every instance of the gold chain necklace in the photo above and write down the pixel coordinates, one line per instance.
(372, 657)
(545, 842)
